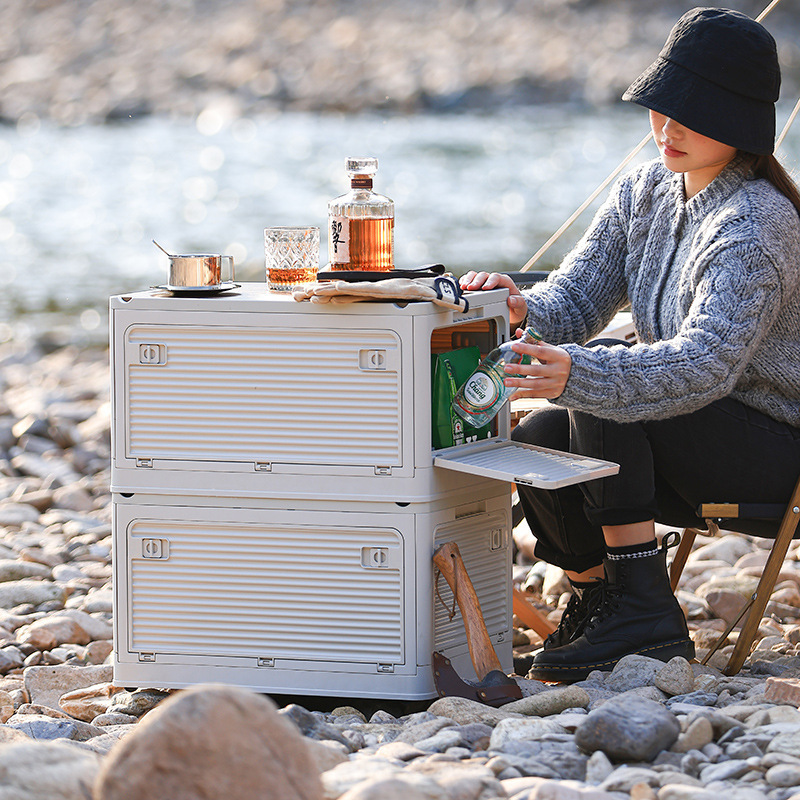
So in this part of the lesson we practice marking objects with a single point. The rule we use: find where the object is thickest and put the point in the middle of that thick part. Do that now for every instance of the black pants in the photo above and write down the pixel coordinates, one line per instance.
(725, 452)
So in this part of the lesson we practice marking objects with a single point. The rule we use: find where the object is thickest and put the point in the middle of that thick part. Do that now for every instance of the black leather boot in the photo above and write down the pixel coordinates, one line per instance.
(578, 612)
(635, 613)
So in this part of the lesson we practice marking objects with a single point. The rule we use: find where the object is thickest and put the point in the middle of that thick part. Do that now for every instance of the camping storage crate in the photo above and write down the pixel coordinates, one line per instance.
(277, 500)
(303, 597)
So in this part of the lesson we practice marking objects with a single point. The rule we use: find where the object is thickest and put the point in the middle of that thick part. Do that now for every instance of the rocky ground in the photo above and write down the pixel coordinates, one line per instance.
(78, 61)
(646, 730)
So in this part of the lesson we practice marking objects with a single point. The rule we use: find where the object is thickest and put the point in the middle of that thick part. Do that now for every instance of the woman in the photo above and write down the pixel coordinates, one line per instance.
(704, 243)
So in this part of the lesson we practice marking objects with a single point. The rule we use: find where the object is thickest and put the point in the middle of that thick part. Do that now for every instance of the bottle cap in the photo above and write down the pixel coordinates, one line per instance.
(361, 166)
(530, 333)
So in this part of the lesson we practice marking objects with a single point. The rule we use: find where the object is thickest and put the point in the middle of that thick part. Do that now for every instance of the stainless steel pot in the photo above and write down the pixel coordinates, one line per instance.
(202, 271)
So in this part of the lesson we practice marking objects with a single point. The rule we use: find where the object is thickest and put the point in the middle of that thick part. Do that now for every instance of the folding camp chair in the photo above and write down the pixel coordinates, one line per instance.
(714, 514)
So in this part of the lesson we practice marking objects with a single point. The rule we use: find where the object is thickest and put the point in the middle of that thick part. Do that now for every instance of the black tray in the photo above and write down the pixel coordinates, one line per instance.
(351, 276)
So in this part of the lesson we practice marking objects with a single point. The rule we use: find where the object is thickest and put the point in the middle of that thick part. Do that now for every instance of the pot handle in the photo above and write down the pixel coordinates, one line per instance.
(229, 261)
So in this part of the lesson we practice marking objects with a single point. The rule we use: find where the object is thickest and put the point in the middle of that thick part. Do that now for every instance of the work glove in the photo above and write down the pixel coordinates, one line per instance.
(444, 291)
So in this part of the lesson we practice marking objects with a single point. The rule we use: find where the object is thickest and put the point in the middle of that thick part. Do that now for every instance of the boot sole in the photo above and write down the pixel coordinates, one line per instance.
(569, 673)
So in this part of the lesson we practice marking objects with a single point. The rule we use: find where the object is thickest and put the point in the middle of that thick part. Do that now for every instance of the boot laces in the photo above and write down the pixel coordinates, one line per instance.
(606, 604)
(579, 610)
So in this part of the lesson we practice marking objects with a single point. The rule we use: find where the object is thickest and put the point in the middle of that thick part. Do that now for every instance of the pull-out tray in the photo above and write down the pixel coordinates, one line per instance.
(527, 464)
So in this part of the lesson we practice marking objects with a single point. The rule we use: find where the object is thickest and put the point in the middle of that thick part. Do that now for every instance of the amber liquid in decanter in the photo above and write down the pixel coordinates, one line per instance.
(361, 223)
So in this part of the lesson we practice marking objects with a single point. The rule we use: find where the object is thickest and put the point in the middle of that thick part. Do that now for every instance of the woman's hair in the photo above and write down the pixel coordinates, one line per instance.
(767, 166)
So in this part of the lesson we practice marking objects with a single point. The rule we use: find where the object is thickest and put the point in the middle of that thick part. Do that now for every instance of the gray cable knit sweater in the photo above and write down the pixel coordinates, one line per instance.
(713, 287)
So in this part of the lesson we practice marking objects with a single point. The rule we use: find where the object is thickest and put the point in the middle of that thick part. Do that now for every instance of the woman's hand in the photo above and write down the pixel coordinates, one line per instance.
(475, 281)
(547, 378)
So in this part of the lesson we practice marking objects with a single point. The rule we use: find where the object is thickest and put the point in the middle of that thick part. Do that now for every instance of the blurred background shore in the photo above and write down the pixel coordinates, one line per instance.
(78, 61)
(199, 122)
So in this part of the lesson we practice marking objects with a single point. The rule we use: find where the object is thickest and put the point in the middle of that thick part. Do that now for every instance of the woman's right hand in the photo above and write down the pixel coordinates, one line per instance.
(476, 281)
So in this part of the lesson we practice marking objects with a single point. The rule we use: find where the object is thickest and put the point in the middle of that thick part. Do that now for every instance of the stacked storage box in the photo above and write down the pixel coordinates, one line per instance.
(276, 504)
(277, 501)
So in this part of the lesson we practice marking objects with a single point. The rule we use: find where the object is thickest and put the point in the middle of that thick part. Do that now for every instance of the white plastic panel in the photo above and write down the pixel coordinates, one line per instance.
(212, 588)
(524, 464)
(263, 395)
(483, 542)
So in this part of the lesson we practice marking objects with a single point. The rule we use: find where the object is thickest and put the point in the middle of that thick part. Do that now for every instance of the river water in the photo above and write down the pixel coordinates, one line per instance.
(79, 207)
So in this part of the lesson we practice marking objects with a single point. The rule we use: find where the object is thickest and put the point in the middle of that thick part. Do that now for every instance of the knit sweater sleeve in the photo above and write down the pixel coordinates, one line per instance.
(736, 297)
(581, 297)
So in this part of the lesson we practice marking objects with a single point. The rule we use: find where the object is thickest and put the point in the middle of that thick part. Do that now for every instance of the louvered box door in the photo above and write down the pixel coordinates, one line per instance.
(270, 592)
(260, 393)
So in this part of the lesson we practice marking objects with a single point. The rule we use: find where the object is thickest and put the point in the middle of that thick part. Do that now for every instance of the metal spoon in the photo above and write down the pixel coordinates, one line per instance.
(162, 249)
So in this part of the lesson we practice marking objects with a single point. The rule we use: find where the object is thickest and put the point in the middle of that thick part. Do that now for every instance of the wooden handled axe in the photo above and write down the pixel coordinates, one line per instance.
(493, 687)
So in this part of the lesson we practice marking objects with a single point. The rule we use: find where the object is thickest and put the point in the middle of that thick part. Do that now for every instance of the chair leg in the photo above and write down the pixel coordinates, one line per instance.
(531, 616)
(681, 554)
(761, 596)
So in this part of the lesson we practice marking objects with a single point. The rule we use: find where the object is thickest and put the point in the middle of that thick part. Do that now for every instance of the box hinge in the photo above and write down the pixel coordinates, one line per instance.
(147, 656)
(144, 463)
(383, 470)
(266, 662)
(263, 466)
(386, 668)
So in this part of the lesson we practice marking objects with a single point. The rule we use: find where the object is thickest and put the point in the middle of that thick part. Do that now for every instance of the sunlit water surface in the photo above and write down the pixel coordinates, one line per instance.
(79, 207)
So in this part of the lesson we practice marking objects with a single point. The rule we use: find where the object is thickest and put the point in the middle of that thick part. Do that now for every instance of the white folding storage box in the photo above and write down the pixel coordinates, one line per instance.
(313, 599)
(277, 501)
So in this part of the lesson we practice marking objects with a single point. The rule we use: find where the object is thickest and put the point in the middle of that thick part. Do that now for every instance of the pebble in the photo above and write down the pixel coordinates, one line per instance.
(645, 730)
(676, 677)
(632, 728)
(549, 702)
(698, 734)
(91, 702)
(46, 685)
(45, 727)
(58, 770)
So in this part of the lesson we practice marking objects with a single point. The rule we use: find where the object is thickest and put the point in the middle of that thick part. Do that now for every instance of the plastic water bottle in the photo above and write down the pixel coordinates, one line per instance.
(484, 393)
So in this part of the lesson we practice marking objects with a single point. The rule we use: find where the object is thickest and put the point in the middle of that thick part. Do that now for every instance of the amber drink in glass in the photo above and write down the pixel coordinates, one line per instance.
(292, 257)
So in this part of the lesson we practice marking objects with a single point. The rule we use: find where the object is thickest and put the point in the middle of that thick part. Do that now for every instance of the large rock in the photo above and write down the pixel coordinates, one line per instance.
(348, 775)
(325, 755)
(52, 770)
(402, 786)
(462, 779)
(136, 703)
(675, 677)
(6, 705)
(729, 548)
(214, 742)
(15, 514)
(630, 728)
(524, 730)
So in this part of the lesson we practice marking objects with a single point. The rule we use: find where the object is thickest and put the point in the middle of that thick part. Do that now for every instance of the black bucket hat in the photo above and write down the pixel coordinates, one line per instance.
(718, 74)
